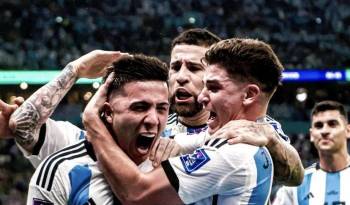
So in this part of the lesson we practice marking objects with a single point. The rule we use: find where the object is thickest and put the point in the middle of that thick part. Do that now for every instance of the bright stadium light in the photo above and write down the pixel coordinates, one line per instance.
(301, 95)
(96, 85)
(23, 85)
(59, 19)
(192, 20)
(87, 96)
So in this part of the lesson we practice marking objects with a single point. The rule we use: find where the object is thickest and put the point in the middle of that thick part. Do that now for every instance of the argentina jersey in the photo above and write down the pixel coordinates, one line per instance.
(318, 187)
(222, 174)
(70, 176)
(174, 127)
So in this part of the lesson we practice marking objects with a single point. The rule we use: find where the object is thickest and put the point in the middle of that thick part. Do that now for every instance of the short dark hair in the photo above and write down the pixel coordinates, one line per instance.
(248, 60)
(196, 36)
(329, 105)
(137, 67)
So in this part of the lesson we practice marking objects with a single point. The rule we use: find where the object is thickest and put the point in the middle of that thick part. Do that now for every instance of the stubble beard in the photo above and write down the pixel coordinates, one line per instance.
(186, 109)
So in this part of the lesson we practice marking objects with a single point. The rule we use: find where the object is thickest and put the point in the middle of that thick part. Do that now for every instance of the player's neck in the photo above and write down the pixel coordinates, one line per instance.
(332, 162)
(200, 118)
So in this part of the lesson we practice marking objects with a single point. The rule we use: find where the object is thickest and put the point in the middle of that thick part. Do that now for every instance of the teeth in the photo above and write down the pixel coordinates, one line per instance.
(149, 135)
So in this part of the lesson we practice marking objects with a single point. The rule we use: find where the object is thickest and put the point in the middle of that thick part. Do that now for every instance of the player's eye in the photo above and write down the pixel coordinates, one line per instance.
(318, 125)
(333, 123)
(139, 107)
(175, 66)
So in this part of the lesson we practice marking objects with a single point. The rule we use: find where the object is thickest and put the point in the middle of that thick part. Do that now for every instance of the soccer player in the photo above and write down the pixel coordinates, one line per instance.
(186, 81)
(325, 182)
(235, 89)
(136, 112)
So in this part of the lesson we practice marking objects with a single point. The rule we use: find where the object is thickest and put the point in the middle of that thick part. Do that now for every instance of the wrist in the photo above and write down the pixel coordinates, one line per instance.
(73, 68)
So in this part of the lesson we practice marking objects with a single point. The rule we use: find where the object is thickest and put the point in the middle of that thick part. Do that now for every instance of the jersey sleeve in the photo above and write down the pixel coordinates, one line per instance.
(53, 136)
(285, 196)
(39, 195)
(213, 170)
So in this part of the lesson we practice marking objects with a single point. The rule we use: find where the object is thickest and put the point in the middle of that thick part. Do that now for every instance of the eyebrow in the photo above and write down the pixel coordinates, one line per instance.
(187, 62)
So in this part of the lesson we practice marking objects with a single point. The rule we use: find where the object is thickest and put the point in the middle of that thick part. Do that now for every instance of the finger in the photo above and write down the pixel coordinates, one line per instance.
(19, 100)
(175, 151)
(235, 140)
(160, 151)
(154, 150)
(7, 109)
(168, 150)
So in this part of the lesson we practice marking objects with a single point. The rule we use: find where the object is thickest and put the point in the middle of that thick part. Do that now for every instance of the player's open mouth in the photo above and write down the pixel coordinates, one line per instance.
(144, 142)
(182, 95)
(212, 116)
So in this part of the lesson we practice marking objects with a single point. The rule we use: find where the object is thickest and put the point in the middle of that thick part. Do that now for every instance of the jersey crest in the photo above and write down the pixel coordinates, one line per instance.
(192, 162)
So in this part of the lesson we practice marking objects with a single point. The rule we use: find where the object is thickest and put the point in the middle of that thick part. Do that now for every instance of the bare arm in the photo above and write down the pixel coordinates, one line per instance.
(126, 181)
(28, 118)
(288, 167)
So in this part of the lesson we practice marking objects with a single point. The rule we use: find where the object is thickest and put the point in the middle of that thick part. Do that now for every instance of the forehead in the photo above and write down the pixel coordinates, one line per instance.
(327, 115)
(216, 72)
(188, 52)
(150, 91)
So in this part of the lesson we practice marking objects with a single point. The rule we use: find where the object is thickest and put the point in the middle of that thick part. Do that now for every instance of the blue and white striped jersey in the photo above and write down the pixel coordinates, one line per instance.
(174, 127)
(71, 176)
(318, 188)
(222, 174)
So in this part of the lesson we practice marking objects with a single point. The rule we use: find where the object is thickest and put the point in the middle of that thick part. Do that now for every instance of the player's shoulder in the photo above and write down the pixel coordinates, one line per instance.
(58, 165)
(240, 150)
(311, 169)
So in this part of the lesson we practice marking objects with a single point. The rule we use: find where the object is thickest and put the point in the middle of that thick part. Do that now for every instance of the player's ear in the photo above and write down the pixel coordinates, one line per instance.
(252, 92)
(311, 136)
(348, 131)
(107, 113)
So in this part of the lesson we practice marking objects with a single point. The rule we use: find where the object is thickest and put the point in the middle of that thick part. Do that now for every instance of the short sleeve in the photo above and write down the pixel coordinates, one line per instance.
(38, 195)
(54, 135)
(211, 170)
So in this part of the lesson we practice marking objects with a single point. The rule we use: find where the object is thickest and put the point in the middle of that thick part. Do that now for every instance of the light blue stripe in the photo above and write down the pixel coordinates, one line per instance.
(332, 188)
(263, 163)
(82, 135)
(303, 191)
(79, 178)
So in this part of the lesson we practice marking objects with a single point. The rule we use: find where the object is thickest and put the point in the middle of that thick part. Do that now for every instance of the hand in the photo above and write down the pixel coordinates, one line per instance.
(5, 112)
(248, 132)
(91, 114)
(163, 149)
(95, 63)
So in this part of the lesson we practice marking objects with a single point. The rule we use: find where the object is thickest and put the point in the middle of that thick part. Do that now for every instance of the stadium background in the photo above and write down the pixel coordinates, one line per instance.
(46, 35)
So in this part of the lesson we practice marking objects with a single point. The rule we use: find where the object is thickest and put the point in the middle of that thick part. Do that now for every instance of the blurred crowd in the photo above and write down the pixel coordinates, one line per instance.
(47, 34)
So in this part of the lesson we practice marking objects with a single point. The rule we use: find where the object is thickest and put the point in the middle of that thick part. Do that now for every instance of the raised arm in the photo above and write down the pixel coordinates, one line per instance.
(27, 120)
(288, 167)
